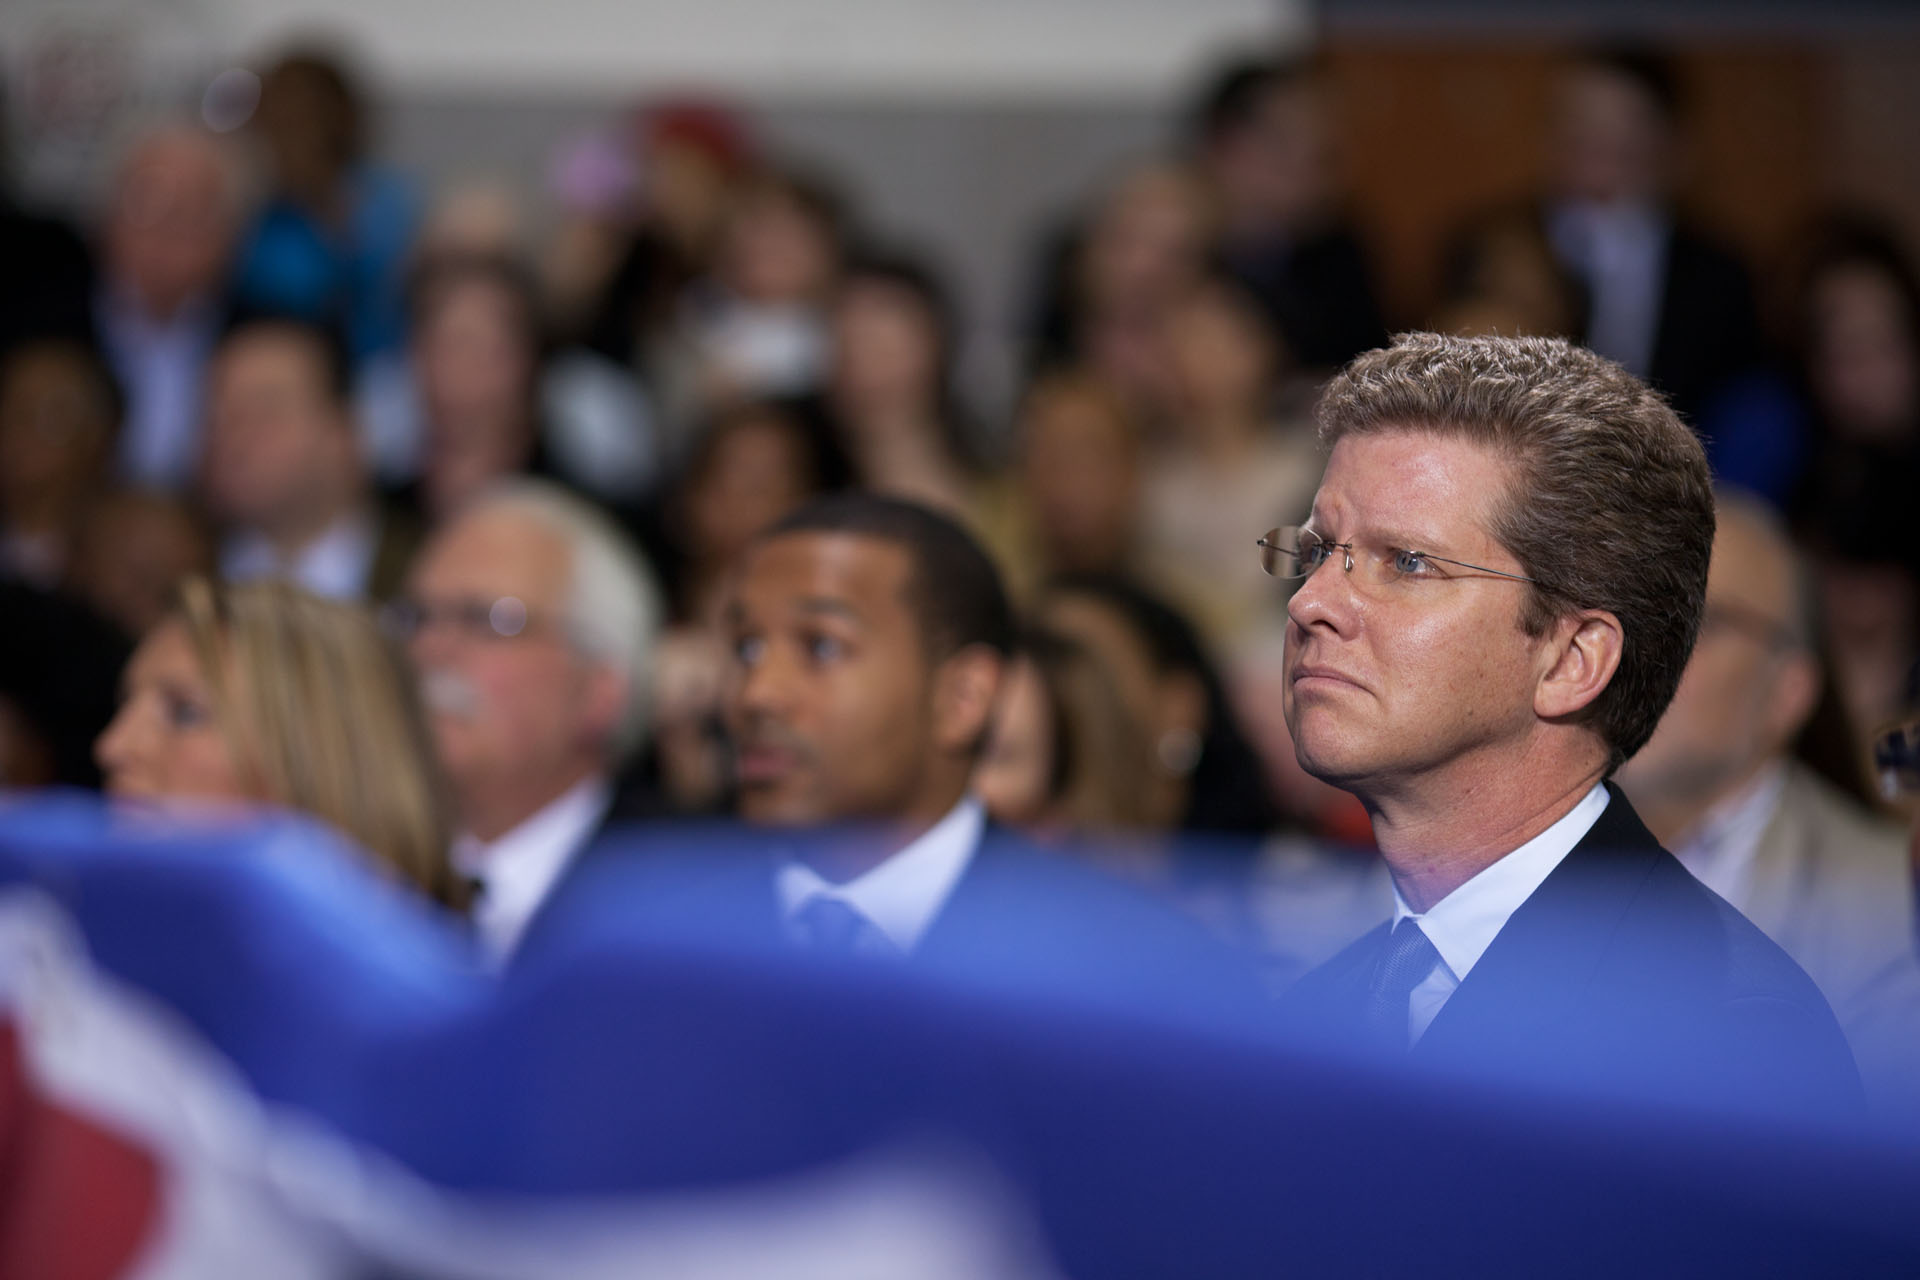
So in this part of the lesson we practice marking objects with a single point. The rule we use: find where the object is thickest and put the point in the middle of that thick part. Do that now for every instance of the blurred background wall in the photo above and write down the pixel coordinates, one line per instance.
(967, 129)
(962, 128)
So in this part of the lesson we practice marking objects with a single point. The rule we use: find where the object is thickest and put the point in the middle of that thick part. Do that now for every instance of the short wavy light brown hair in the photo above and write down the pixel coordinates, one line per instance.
(1612, 503)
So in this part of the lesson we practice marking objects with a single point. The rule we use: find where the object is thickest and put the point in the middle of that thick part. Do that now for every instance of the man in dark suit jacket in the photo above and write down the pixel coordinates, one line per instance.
(1504, 571)
(1664, 299)
(870, 639)
(1621, 972)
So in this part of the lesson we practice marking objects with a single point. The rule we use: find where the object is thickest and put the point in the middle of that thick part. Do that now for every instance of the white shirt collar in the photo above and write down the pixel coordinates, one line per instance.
(1463, 924)
(517, 870)
(902, 895)
(336, 564)
(1720, 852)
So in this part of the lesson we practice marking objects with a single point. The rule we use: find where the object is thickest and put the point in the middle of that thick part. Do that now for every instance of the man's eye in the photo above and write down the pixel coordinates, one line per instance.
(825, 648)
(748, 650)
(1409, 563)
(1312, 554)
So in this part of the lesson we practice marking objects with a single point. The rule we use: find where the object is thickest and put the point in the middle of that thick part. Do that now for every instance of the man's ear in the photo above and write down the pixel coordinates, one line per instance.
(1796, 693)
(966, 688)
(606, 694)
(1583, 655)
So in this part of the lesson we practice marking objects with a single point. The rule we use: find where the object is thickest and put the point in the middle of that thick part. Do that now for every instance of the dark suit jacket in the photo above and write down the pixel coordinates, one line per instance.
(1019, 917)
(1709, 328)
(1621, 973)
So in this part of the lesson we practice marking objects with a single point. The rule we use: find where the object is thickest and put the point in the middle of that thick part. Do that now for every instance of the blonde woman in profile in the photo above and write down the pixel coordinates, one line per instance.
(263, 694)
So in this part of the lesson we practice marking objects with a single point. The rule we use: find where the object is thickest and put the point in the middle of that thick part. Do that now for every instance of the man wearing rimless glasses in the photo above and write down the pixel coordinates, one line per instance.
(1497, 589)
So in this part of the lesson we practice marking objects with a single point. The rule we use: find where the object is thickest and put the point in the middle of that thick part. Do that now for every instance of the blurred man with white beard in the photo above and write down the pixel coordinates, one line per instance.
(532, 621)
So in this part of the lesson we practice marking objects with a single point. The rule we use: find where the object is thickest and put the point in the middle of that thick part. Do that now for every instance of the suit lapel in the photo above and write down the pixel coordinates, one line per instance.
(1530, 979)
(1331, 1001)
(972, 894)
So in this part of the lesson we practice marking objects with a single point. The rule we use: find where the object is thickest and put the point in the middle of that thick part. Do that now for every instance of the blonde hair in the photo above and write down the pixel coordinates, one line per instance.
(322, 716)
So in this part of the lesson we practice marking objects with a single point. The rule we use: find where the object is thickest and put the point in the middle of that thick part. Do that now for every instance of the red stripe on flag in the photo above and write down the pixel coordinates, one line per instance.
(77, 1200)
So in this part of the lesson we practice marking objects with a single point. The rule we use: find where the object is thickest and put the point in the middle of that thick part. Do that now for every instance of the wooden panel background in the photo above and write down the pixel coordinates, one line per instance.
(1433, 132)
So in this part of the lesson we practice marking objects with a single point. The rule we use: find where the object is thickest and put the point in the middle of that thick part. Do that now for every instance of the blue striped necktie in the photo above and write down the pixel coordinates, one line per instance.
(1408, 958)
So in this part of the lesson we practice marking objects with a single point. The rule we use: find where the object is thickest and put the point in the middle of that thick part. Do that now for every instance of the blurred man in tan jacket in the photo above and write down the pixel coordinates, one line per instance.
(1799, 856)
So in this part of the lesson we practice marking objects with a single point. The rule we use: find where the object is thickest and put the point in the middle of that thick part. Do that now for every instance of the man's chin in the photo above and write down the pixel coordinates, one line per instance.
(1336, 764)
(773, 806)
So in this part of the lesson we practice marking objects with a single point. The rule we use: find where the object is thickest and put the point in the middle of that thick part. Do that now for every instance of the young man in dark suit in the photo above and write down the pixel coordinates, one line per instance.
(1502, 578)
(870, 639)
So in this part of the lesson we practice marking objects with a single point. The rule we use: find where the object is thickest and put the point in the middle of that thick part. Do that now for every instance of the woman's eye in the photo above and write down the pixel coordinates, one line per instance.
(748, 650)
(825, 648)
(184, 713)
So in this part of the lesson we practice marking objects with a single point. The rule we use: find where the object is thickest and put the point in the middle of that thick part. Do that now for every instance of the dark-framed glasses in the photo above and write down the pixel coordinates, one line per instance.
(1294, 551)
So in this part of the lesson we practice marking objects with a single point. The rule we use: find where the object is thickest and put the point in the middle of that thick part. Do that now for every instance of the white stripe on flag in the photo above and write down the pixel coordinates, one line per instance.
(252, 1189)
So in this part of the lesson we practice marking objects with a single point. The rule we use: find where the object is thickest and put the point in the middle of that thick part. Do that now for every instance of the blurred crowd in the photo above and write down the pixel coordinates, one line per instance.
(450, 511)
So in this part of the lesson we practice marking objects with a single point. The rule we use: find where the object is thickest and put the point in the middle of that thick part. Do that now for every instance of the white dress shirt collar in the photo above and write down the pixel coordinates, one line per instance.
(1463, 924)
(1621, 250)
(903, 894)
(517, 870)
(337, 564)
(1721, 850)
(161, 363)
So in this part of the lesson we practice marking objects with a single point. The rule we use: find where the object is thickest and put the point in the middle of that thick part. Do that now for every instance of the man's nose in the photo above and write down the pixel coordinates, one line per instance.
(1325, 596)
(431, 642)
(764, 686)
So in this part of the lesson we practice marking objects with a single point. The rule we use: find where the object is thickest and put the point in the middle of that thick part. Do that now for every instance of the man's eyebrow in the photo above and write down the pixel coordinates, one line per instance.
(1388, 536)
(1406, 540)
(831, 606)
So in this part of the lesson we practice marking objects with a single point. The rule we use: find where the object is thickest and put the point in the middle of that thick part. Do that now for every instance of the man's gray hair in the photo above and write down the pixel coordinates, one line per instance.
(614, 610)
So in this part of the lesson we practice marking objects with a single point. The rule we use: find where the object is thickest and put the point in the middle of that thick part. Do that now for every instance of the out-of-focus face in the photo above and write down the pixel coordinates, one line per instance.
(1221, 353)
(170, 229)
(55, 428)
(165, 742)
(508, 693)
(276, 441)
(686, 190)
(1147, 243)
(831, 703)
(1516, 288)
(1863, 354)
(1749, 684)
(1080, 473)
(476, 371)
(774, 250)
(300, 121)
(886, 349)
(130, 555)
(472, 358)
(1611, 142)
(1015, 771)
(1104, 631)
(1388, 683)
(1278, 166)
(757, 473)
